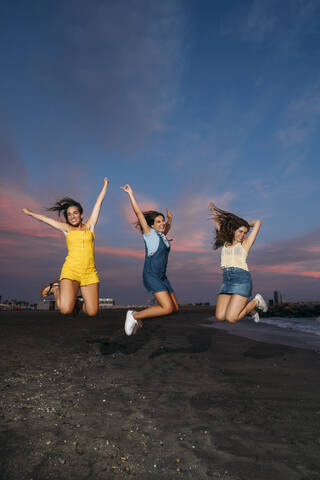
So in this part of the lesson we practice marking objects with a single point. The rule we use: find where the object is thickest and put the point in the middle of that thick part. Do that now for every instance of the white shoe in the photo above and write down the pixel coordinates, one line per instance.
(255, 317)
(131, 323)
(261, 304)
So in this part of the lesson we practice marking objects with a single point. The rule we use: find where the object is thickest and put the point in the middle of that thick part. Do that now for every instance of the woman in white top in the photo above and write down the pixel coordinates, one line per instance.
(233, 298)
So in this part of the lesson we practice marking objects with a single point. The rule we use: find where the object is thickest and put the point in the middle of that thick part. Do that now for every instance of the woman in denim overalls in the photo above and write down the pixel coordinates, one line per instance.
(154, 228)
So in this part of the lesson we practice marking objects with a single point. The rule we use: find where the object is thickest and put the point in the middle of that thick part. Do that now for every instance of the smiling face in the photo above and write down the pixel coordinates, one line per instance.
(159, 224)
(240, 234)
(74, 216)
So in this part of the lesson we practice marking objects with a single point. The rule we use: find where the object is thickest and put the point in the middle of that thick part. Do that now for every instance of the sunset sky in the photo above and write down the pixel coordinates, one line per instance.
(189, 102)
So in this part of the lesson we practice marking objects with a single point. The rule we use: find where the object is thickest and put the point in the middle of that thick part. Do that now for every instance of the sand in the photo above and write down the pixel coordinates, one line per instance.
(79, 400)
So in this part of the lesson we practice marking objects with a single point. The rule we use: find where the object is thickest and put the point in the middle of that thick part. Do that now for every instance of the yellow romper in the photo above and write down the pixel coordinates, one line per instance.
(79, 264)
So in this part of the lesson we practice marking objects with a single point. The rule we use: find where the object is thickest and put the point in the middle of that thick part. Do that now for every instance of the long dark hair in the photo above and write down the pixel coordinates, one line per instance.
(62, 205)
(228, 223)
(150, 216)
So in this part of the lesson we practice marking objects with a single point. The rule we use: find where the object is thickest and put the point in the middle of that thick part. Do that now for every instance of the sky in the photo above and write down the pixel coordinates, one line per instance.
(188, 102)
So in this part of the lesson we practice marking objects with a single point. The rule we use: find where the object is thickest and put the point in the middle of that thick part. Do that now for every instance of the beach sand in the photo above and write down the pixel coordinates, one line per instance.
(79, 400)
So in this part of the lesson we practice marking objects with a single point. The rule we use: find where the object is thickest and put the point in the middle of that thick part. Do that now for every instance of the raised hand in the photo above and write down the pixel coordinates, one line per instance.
(127, 188)
(106, 181)
(212, 206)
(169, 215)
(25, 210)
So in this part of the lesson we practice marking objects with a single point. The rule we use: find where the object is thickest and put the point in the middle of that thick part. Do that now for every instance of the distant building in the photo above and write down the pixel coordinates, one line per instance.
(5, 306)
(106, 303)
(278, 298)
(46, 304)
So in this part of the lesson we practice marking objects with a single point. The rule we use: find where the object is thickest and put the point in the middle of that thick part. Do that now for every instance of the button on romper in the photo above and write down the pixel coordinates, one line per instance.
(79, 264)
(154, 270)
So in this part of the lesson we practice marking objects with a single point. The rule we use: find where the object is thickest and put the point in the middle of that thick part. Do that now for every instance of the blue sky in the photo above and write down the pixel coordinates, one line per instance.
(188, 102)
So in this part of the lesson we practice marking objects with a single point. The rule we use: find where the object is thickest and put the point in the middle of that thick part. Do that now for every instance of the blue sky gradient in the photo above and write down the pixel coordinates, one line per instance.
(188, 102)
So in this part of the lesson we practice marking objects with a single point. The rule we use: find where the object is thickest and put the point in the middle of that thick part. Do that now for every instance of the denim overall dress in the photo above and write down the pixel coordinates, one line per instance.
(154, 270)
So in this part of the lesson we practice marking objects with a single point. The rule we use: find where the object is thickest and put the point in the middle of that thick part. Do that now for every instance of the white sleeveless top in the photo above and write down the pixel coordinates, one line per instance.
(235, 256)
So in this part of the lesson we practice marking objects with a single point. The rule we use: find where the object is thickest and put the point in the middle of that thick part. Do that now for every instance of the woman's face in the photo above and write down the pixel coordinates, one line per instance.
(240, 234)
(74, 216)
(159, 224)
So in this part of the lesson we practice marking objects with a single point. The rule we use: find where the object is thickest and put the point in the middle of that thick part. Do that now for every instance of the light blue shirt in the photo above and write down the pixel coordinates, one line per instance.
(152, 241)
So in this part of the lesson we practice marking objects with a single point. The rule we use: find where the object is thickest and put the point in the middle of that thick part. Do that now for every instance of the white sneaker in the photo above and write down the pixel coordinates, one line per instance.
(255, 317)
(261, 303)
(131, 323)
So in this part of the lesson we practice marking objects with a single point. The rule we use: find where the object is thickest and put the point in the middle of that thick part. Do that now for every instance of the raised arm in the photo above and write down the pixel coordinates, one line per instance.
(249, 241)
(92, 221)
(137, 210)
(169, 221)
(62, 226)
(215, 216)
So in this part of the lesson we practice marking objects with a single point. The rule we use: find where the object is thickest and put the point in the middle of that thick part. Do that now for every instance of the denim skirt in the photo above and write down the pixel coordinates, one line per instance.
(236, 281)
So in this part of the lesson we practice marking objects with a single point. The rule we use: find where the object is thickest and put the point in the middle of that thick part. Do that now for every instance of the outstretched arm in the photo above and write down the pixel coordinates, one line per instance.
(91, 222)
(215, 216)
(169, 221)
(62, 226)
(137, 210)
(249, 241)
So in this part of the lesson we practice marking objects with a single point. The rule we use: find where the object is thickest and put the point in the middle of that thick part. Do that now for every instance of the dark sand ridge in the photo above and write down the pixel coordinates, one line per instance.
(79, 400)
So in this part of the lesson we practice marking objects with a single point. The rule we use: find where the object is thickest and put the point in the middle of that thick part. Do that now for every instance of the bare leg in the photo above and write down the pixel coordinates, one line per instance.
(90, 294)
(239, 307)
(167, 303)
(66, 295)
(175, 302)
(223, 301)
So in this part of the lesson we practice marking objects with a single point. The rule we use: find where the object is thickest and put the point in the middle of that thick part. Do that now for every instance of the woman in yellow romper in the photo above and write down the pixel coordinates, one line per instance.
(79, 269)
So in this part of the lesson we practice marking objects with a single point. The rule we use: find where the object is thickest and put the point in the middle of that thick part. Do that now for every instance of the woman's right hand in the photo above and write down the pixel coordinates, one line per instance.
(127, 188)
(211, 206)
(25, 210)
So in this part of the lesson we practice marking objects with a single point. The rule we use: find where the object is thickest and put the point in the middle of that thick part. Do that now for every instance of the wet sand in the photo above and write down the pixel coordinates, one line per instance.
(268, 333)
(79, 400)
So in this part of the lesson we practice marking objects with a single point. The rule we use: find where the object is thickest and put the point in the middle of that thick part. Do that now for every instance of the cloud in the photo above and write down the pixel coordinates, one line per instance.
(301, 117)
(32, 254)
(120, 252)
(297, 256)
(270, 23)
(13, 169)
(13, 220)
(120, 62)
(192, 226)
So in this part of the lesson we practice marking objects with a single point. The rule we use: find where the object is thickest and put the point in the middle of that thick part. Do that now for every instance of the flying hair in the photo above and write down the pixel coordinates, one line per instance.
(228, 223)
(62, 205)
(150, 216)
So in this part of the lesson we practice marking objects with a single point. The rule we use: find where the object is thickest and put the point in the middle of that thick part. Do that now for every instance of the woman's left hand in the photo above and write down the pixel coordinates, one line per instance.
(169, 215)
(106, 181)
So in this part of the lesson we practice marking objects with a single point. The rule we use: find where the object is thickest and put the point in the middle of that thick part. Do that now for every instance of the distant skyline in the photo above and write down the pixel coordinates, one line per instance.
(187, 101)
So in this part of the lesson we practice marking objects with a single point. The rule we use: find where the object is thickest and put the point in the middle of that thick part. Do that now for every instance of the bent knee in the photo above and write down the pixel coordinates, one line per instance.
(92, 313)
(66, 309)
(168, 310)
(232, 319)
(220, 317)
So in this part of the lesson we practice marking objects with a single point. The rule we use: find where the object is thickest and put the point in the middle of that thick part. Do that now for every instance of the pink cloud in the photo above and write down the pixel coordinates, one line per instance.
(192, 227)
(298, 269)
(120, 252)
(12, 219)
